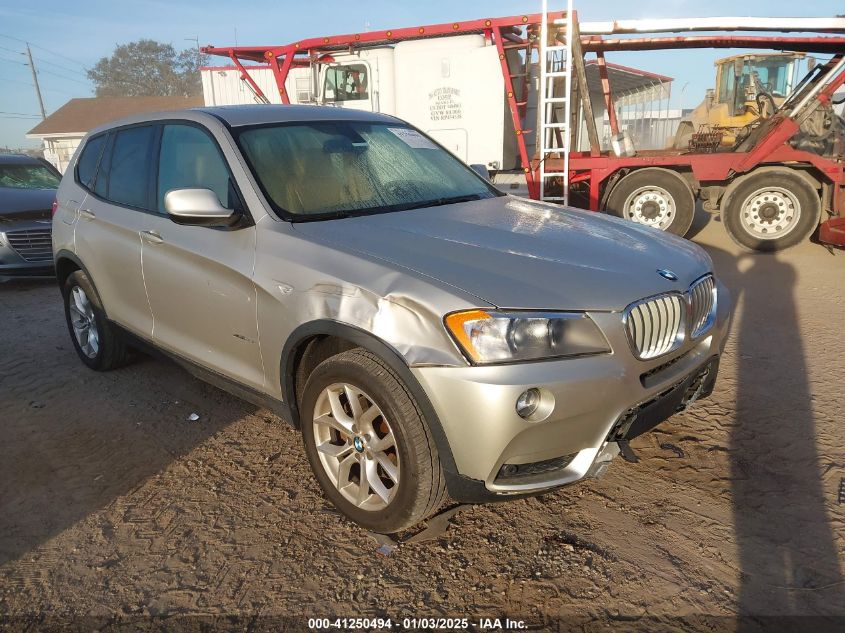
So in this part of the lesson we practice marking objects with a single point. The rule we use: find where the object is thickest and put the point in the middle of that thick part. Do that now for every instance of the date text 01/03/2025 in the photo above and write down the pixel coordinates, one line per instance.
(484, 624)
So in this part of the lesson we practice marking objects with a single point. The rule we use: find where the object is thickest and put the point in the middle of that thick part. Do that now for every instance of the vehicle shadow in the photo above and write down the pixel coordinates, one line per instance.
(72, 440)
(700, 220)
(788, 558)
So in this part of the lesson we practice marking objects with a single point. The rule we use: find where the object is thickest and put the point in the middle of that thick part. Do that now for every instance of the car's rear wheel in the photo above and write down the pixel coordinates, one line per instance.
(656, 197)
(98, 344)
(368, 445)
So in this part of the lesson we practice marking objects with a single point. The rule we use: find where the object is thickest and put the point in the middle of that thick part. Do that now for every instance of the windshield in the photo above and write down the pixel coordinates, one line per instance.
(322, 170)
(774, 74)
(27, 177)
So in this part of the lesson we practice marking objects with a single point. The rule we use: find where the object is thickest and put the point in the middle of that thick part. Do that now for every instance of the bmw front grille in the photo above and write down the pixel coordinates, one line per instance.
(659, 325)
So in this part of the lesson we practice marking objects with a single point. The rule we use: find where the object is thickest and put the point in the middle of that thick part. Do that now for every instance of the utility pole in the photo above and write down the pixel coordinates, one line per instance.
(195, 39)
(35, 79)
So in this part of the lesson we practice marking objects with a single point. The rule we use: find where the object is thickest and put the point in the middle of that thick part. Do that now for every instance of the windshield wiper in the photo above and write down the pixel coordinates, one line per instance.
(340, 215)
(439, 202)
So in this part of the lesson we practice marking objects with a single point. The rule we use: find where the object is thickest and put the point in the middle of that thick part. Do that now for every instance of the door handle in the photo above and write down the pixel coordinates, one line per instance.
(87, 214)
(152, 237)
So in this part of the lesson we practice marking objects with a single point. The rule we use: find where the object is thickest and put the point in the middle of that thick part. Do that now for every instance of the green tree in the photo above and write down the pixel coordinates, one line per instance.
(148, 68)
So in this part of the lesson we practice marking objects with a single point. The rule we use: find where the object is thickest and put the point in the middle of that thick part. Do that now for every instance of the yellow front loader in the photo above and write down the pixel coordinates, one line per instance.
(749, 88)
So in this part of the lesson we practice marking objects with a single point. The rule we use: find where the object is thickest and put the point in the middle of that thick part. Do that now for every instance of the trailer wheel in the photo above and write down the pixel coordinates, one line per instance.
(656, 197)
(771, 210)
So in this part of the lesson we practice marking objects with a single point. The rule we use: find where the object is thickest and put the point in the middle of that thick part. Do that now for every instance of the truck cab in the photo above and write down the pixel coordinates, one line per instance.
(452, 88)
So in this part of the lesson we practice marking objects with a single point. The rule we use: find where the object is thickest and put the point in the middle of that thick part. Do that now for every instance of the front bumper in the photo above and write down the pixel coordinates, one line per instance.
(36, 261)
(26, 269)
(589, 398)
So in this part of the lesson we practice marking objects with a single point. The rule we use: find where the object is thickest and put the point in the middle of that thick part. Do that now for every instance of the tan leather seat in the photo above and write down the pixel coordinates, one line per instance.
(328, 182)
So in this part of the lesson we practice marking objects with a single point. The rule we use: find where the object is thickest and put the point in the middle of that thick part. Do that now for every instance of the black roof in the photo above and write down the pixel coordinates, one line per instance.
(237, 115)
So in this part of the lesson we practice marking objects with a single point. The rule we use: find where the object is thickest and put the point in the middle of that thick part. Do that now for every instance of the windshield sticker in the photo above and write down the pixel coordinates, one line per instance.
(412, 138)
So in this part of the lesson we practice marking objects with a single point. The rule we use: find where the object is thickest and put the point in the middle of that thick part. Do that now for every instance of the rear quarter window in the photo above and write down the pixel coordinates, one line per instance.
(86, 166)
(130, 166)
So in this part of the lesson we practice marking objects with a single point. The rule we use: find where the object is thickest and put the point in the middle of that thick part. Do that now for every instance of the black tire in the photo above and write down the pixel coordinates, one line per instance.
(421, 487)
(742, 205)
(111, 350)
(673, 188)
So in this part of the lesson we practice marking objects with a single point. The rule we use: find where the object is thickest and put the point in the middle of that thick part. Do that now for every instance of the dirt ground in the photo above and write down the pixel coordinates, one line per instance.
(114, 505)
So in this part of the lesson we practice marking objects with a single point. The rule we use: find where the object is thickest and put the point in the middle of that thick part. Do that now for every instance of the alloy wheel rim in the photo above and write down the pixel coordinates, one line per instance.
(356, 446)
(652, 206)
(770, 213)
(84, 323)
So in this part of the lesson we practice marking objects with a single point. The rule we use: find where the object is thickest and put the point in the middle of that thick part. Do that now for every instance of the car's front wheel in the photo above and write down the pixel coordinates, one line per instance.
(368, 444)
(98, 344)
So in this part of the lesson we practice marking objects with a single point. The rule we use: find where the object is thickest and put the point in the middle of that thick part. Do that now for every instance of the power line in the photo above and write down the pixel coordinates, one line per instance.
(11, 50)
(70, 59)
(50, 72)
(15, 81)
(12, 61)
(52, 63)
(20, 114)
(24, 118)
(63, 56)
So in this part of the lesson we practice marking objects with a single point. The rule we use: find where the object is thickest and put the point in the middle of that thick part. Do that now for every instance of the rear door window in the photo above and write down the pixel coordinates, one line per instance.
(86, 167)
(190, 159)
(129, 167)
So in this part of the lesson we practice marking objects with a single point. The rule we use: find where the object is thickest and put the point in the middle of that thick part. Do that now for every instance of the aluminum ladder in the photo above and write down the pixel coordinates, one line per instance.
(555, 82)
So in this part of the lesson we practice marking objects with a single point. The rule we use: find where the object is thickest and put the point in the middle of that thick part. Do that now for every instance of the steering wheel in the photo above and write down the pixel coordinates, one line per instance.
(766, 105)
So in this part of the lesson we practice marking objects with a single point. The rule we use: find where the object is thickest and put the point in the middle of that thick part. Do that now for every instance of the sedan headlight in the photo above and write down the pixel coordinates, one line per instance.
(497, 337)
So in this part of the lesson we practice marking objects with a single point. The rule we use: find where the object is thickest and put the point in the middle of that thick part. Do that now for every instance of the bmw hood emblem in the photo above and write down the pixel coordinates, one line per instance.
(667, 274)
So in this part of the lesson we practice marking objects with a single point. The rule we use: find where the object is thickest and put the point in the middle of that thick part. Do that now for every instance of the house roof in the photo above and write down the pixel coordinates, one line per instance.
(82, 115)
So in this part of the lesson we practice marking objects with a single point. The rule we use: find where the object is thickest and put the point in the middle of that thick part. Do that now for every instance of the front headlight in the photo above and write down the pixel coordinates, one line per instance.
(496, 337)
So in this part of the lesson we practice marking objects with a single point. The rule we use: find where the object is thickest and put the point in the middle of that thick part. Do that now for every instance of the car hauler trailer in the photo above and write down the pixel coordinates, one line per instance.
(530, 106)
(774, 184)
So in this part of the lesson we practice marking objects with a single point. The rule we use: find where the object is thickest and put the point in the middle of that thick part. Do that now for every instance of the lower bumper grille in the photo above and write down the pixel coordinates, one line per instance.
(535, 471)
(33, 245)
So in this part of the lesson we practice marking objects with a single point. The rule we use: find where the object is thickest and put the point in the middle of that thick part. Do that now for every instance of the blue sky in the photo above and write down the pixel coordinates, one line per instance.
(68, 37)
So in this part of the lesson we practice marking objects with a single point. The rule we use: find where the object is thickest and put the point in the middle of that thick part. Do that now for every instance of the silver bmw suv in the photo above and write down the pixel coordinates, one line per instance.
(429, 335)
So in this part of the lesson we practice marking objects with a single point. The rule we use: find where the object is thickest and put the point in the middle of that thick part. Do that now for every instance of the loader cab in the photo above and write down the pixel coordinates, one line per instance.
(739, 79)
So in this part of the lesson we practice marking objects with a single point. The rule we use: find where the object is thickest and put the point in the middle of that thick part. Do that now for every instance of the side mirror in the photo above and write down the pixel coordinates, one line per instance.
(811, 63)
(199, 207)
(481, 170)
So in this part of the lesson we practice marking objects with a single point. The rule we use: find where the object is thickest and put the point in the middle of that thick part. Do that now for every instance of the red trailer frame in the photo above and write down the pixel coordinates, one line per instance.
(505, 33)
(593, 168)
(771, 148)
